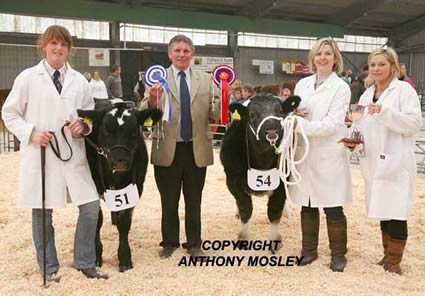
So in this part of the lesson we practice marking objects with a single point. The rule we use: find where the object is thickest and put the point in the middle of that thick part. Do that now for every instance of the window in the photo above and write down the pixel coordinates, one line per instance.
(157, 34)
(348, 43)
(37, 25)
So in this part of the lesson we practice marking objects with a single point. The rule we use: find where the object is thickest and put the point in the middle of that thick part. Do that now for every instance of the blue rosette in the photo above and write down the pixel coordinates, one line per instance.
(157, 74)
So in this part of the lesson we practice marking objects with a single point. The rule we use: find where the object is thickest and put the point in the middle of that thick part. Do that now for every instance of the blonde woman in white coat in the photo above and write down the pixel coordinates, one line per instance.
(326, 177)
(43, 98)
(389, 126)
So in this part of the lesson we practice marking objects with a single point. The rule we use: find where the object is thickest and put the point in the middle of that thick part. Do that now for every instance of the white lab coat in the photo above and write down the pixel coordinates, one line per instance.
(389, 166)
(326, 175)
(35, 102)
(98, 89)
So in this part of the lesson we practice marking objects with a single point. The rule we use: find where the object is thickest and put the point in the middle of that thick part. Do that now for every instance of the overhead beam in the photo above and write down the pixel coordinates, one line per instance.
(105, 11)
(408, 29)
(356, 10)
(256, 8)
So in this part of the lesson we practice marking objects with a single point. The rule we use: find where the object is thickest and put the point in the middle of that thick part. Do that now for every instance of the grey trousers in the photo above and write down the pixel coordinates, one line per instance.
(84, 241)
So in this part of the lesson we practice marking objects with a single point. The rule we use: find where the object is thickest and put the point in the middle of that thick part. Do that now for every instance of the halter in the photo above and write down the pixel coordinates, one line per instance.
(257, 132)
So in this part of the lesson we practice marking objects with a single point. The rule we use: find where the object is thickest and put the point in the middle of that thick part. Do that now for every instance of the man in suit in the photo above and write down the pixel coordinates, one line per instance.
(181, 147)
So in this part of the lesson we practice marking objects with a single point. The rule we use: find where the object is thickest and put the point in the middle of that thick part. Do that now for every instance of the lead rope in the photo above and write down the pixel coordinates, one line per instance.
(287, 150)
(55, 147)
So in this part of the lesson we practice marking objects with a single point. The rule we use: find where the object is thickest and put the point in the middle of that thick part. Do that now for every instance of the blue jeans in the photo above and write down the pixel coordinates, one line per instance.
(84, 242)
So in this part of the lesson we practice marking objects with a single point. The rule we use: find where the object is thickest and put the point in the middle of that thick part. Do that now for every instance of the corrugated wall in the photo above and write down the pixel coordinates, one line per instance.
(250, 74)
(413, 55)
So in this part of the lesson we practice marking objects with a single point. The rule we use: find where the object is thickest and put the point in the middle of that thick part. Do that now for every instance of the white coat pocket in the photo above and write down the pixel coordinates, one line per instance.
(388, 166)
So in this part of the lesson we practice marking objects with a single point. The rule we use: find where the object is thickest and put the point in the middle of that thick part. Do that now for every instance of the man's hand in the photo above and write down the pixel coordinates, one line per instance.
(155, 93)
(41, 138)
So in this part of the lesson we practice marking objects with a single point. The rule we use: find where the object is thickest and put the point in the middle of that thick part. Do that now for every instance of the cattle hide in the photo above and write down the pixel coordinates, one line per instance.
(117, 156)
(240, 141)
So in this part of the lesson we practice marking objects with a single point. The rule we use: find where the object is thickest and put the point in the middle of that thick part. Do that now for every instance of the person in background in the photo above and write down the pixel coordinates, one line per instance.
(87, 76)
(404, 77)
(98, 87)
(358, 88)
(247, 91)
(344, 76)
(390, 123)
(326, 181)
(139, 87)
(236, 95)
(286, 91)
(113, 82)
(351, 77)
(37, 105)
(183, 149)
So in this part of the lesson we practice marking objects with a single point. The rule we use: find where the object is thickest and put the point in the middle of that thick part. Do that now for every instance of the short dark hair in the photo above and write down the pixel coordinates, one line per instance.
(181, 38)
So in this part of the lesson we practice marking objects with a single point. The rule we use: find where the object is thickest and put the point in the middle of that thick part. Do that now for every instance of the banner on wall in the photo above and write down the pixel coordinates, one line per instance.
(265, 66)
(207, 64)
(295, 67)
(98, 57)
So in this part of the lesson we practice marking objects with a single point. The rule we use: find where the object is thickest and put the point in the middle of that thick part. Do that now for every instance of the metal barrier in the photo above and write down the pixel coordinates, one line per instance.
(420, 88)
(8, 142)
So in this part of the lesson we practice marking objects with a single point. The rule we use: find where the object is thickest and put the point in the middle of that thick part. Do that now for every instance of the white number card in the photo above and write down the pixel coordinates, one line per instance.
(263, 180)
(126, 198)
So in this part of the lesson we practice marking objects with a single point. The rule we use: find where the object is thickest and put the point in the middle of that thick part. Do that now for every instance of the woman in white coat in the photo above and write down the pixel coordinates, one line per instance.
(326, 177)
(98, 87)
(389, 126)
(43, 98)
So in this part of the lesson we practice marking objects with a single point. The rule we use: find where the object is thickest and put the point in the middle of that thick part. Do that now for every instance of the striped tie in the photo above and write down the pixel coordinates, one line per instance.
(56, 81)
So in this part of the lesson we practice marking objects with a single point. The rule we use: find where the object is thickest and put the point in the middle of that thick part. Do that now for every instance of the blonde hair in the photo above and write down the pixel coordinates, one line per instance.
(54, 32)
(392, 58)
(338, 66)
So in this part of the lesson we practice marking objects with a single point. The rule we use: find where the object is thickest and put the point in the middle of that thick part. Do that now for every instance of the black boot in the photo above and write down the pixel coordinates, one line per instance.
(310, 230)
(337, 232)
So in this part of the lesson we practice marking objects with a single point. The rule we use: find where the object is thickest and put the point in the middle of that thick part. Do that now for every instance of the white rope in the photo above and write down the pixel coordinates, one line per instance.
(287, 150)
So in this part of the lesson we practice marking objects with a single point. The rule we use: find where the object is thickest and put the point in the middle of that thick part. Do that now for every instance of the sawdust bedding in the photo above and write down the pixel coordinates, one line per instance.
(151, 276)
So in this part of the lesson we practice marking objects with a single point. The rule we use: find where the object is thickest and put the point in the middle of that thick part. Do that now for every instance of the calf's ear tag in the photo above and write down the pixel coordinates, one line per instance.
(87, 121)
(148, 122)
(236, 115)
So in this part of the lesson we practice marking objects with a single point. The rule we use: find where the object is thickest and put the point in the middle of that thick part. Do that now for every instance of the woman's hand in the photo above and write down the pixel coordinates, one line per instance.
(302, 112)
(41, 138)
(77, 128)
(348, 143)
(374, 108)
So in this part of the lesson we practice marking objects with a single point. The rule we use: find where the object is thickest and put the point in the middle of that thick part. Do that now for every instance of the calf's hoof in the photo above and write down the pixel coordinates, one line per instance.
(99, 262)
(124, 268)
(338, 263)
(277, 245)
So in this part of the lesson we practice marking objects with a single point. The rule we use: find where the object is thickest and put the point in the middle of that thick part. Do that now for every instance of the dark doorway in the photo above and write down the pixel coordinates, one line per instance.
(134, 61)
